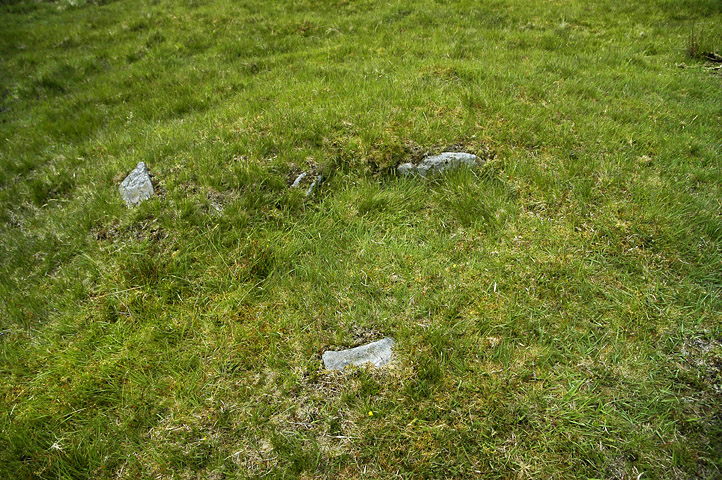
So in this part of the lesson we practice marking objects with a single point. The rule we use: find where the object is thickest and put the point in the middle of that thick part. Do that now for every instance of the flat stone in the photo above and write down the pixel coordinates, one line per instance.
(377, 353)
(137, 186)
(438, 163)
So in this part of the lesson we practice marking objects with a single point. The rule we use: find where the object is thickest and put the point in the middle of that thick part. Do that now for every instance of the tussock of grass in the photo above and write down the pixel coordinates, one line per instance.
(555, 311)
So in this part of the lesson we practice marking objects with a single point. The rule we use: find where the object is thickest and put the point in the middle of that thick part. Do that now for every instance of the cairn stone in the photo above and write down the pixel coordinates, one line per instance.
(438, 163)
(303, 179)
(298, 180)
(316, 182)
(137, 186)
(378, 353)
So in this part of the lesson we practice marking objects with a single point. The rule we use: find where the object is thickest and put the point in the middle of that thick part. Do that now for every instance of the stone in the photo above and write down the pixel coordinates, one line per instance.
(438, 163)
(298, 180)
(316, 182)
(137, 186)
(378, 353)
(406, 168)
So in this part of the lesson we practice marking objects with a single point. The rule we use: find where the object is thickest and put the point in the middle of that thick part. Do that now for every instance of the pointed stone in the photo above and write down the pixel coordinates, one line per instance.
(137, 186)
(377, 353)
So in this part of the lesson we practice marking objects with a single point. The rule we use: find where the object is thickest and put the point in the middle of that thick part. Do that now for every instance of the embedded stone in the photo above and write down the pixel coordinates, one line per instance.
(406, 168)
(438, 163)
(316, 182)
(303, 179)
(377, 353)
(137, 186)
(298, 180)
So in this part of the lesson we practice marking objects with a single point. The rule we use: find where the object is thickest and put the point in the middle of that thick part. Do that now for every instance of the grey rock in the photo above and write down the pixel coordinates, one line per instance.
(137, 186)
(406, 168)
(217, 208)
(304, 176)
(378, 353)
(316, 182)
(438, 163)
(298, 180)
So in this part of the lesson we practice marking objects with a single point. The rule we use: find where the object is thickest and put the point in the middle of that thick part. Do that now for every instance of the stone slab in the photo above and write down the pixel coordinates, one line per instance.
(438, 163)
(378, 353)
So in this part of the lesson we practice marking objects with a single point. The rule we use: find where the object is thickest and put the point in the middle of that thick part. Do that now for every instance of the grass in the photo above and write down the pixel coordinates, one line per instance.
(556, 311)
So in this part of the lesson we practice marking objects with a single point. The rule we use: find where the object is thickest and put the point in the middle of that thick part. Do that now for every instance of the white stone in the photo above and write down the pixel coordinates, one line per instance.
(406, 168)
(438, 163)
(297, 182)
(137, 186)
(316, 182)
(377, 353)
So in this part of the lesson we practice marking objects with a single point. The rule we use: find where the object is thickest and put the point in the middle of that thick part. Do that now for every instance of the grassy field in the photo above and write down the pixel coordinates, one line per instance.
(556, 311)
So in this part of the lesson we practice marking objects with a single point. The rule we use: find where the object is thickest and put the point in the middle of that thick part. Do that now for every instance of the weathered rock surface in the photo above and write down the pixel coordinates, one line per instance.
(137, 186)
(298, 180)
(438, 163)
(316, 182)
(304, 179)
(378, 353)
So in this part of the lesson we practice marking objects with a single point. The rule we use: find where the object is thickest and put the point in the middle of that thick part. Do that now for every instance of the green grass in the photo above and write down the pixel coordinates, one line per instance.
(556, 311)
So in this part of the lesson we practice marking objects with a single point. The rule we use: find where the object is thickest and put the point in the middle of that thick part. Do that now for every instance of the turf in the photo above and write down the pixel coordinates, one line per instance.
(556, 311)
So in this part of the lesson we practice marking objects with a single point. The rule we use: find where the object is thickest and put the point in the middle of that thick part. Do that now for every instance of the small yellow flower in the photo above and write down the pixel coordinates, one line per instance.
(371, 413)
